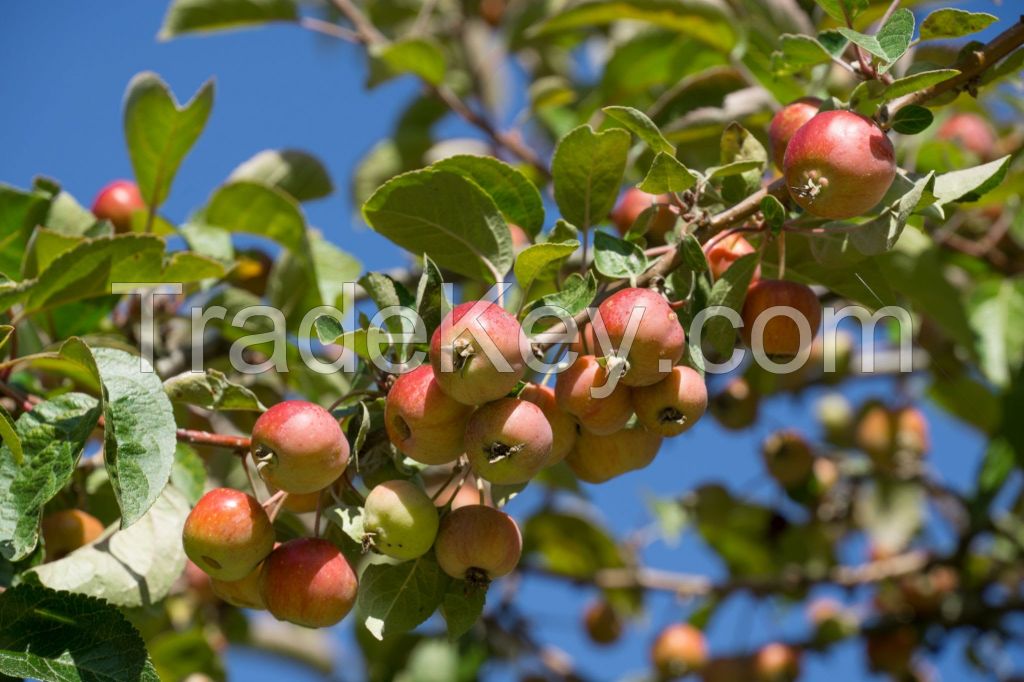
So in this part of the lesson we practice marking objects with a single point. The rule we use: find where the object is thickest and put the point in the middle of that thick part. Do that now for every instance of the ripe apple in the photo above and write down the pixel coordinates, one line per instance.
(478, 544)
(736, 406)
(597, 459)
(634, 202)
(574, 392)
(308, 582)
(679, 649)
(777, 662)
(658, 341)
(423, 421)
(971, 132)
(722, 253)
(227, 534)
(602, 623)
(243, 593)
(781, 335)
(786, 122)
(788, 458)
(459, 353)
(839, 165)
(66, 530)
(563, 426)
(508, 441)
(117, 202)
(674, 404)
(299, 447)
(399, 519)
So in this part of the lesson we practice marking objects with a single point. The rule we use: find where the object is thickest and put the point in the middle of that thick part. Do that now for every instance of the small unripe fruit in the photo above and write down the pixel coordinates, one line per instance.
(227, 534)
(788, 458)
(912, 431)
(67, 530)
(839, 165)
(563, 426)
(836, 417)
(458, 353)
(680, 649)
(822, 611)
(674, 404)
(634, 202)
(508, 441)
(399, 520)
(777, 662)
(722, 253)
(736, 406)
(299, 447)
(602, 623)
(478, 544)
(970, 132)
(597, 459)
(781, 335)
(117, 202)
(308, 582)
(874, 431)
(423, 421)
(891, 436)
(658, 342)
(575, 389)
(244, 593)
(786, 122)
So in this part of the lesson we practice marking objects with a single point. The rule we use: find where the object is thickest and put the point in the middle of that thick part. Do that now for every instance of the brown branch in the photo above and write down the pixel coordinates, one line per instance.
(240, 444)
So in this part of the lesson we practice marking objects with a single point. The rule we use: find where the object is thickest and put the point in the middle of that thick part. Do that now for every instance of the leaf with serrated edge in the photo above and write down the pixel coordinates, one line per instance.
(638, 122)
(534, 260)
(211, 390)
(293, 171)
(588, 169)
(617, 258)
(396, 598)
(516, 197)
(461, 609)
(954, 23)
(729, 292)
(667, 174)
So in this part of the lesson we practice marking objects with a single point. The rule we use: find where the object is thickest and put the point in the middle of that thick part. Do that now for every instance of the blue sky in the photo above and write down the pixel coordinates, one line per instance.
(63, 71)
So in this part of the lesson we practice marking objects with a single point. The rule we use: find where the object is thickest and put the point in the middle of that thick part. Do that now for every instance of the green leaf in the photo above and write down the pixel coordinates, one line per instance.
(915, 82)
(588, 169)
(995, 308)
(575, 295)
(954, 23)
(774, 212)
(460, 608)
(53, 436)
(254, 208)
(159, 132)
(538, 259)
(881, 234)
(188, 474)
(693, 254)
(637, 122)
(996, 466)
(843, 10)
(798, 53)
(9, 436)
(970, 183)
(729, 292)
(297, 173)
(516, 197)
(296, 288)
(211, 390)
(422, 57)
(187, 16)
(446, 216)
(431, 303)
(911, 120)
(135, 567)
(20, 213)
(895, 35)
(140, 434)
(569, 545)
(348, 518)
(699, 19)
(396, 598)
(667, 174)
(50, 635)
(617, 258)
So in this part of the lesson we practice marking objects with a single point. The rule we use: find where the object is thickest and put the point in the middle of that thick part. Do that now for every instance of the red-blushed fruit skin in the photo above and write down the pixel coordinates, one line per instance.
(786, 122)
(884, 433)
(721, 254)
(400, 520)
(477, 538)
(972, 132)
(304, 503)
(510, 423)
(478, 381)
(678, 650)
(659, 337)
(601, 416)
(602, 623)
(563, 426)
(117, 202)
(788, 458)
(736, 406)
(520, 239)
(777, 662)
(309, 449)
(850, 153)
(308, 582)
(66, 530)
(597, 459)
(227, 534)
(423, 421)
(634, 202)
(781, 335)
(244, 593)
(674, 404)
